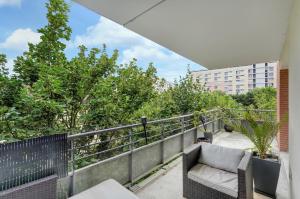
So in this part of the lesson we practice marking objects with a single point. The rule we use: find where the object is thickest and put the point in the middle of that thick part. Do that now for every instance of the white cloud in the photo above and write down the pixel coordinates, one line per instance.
(169, 64)
(149, 51)
(10, 3)
(109, 33)
(19, 39)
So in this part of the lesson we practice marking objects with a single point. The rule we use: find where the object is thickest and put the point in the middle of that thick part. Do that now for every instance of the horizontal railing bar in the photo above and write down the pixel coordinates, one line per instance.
(101, 142)
(168, 119)
(258, 110)
(172, 130)
(154, 136)
(72, 137)
(100, 152)
(139, 133)
(137, 141)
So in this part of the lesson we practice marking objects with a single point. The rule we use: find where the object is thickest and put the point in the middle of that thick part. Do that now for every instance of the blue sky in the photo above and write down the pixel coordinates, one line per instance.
(22, 18)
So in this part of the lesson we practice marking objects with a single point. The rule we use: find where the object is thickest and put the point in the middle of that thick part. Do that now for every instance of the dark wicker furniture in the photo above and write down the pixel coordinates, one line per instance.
(195, 190)
(44, 188)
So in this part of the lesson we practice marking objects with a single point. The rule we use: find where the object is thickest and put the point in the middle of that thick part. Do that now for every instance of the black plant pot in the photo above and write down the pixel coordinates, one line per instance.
(228, 128)
(266, 174)
(208, 136)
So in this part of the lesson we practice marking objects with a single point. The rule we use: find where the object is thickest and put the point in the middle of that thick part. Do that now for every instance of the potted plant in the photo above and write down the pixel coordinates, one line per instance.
(261, 130)
(227, 115)
(228, 128)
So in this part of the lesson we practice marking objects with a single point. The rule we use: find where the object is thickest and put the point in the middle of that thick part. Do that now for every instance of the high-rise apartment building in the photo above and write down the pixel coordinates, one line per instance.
(237, 80)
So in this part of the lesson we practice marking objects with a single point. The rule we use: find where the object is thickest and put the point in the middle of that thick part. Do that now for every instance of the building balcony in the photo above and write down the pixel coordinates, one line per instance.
(144, 157)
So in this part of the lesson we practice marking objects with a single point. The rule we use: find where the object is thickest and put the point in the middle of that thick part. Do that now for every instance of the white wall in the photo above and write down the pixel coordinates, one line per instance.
(290, 57)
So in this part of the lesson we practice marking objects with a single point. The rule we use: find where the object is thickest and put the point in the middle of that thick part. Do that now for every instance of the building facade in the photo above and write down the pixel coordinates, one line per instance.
(238, 80)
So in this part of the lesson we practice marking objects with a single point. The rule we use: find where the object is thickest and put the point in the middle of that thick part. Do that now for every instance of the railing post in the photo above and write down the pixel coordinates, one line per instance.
(130, 158)
(162, 149)
(72, 180)
(196, 130)
(182, 133)
(144, 123)
(196, 134)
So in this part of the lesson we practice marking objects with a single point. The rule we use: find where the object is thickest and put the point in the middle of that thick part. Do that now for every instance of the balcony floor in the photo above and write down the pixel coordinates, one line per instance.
(167, 183)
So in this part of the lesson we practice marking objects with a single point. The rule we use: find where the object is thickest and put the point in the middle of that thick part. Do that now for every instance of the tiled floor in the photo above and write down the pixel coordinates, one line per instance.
(168, 185)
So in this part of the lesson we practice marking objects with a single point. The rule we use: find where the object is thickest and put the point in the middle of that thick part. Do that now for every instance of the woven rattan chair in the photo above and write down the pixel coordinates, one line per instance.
(200, 182)
(44, 188)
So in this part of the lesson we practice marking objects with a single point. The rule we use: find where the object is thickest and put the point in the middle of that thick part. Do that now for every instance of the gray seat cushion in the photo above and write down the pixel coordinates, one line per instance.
(219, 157)
(220, 180)
(109, 189)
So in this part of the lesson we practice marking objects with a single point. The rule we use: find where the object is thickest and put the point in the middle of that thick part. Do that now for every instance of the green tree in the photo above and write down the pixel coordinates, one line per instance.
(161, 106)
(245, 99)
(82, 77)
(115, 99)
(50, 51)
(3, 69)
(40, 69)
(265, 98)
(187, 94)
(258, 98)
(9, 94)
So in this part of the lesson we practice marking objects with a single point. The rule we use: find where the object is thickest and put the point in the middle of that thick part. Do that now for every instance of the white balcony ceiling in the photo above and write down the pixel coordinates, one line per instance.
(213, 33)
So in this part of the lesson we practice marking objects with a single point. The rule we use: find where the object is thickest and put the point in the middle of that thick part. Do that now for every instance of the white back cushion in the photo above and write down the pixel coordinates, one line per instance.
(219, 157)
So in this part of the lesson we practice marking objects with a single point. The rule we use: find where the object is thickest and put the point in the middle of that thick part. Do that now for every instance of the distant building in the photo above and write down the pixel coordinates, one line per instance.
(162, 85)
(237, 80)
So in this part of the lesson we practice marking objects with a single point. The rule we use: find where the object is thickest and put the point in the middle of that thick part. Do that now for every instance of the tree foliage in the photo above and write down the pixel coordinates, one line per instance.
(258, 98)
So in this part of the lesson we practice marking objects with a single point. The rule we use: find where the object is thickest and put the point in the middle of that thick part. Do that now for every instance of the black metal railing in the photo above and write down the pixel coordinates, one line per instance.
(89, 147)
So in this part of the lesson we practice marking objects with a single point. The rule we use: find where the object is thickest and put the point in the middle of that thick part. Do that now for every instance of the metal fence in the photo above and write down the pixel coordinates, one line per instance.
(29, 160)
(97, 146)
(90, 147)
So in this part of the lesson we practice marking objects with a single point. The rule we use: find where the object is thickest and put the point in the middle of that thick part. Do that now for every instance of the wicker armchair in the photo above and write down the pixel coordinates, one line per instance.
(44, 188)
(193, 188)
